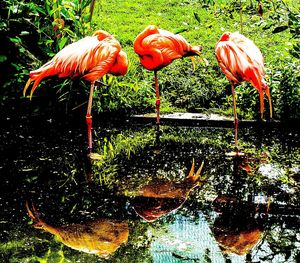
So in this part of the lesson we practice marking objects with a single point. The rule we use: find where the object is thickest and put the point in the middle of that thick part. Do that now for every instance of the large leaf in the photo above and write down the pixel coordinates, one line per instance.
(62, 42)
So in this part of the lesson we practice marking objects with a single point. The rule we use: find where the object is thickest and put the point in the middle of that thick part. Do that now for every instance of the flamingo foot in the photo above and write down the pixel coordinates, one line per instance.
(235, 153)
(95, 156)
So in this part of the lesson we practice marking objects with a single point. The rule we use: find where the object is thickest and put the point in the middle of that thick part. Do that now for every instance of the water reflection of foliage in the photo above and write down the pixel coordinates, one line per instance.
(116, 147)
(178, 147)
(281, 236)
(122, 152)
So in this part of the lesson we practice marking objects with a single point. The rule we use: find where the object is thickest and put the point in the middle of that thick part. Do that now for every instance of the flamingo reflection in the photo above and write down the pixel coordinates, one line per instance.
(236, 229)
(159, 198)
(101, 237)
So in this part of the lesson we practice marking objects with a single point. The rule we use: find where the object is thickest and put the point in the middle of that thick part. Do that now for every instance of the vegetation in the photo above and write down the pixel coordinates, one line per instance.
(274, 172)
(115, 148)
(34, 32)
(52, 172)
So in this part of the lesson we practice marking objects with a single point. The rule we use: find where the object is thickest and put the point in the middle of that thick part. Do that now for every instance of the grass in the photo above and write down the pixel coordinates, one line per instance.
(126, 19)
(207, 87)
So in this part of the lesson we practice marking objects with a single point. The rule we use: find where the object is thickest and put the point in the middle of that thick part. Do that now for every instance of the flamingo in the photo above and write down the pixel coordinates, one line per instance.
(157, 48)
(241, 60)
(91, 58)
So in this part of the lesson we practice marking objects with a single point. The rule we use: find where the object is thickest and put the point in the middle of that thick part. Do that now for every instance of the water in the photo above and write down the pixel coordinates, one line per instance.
(136, 204)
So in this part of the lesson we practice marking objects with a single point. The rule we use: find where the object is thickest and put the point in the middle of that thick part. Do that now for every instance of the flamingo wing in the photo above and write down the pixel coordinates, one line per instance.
(178, 43)
(231, 60)
(157, 48)
(248, 47)
(70, 60)
(101, 60)
(87, 57)
(81, 58)
(166, 45)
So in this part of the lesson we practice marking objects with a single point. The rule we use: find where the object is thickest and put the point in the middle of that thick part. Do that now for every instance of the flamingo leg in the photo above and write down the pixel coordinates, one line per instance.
(261, 107)
(270, 103)
(236, 122)
(157, 103)
(88, 117)
(267, 91)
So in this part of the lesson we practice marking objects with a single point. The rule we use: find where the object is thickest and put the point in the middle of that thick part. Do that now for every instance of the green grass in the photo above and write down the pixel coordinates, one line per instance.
(126, 19)
(207, 87)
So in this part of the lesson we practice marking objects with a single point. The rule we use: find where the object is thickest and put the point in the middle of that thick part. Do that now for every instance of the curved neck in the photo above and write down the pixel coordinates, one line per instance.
(137, 44)
(120, 66)
(153, 60)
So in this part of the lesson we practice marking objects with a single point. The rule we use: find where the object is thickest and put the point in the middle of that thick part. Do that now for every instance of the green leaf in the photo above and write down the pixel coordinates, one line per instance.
(197, 17)
(62, 42)
(3, 58)
(24, 33)
(279, 29)
(297, 47)
(16, 40)
(180, 30)
(49, 42)
(85, 3)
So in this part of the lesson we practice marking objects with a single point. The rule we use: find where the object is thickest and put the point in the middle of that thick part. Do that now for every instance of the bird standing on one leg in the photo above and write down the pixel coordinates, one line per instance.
(90, 58)
(241, 60)
(157, 48)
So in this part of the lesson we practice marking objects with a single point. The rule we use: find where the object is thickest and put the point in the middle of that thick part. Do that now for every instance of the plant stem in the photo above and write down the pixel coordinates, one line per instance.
(241, 16)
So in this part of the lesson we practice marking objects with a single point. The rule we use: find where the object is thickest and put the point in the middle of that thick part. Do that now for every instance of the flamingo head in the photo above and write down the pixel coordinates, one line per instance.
(120, 66)
(195, 51)
(225, 36)
(101, 34)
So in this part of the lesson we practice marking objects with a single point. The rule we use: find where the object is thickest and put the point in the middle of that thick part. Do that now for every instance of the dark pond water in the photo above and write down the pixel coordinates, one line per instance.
(139, 203)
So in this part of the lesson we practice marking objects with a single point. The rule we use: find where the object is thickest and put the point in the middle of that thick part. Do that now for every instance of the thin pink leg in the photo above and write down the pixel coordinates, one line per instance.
(236, 121)
(157, 104)
(88, 117)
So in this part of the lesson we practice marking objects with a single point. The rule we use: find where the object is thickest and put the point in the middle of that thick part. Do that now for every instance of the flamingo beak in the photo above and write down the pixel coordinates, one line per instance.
(26, 86)
(193, 62)
(267, 91)
(32, 89)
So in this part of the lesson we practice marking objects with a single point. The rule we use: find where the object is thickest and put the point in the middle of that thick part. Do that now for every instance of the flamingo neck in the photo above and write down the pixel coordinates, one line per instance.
(138, 42)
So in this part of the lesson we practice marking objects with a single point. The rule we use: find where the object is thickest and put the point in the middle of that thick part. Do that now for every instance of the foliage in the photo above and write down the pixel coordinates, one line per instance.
(285, 17)
(113, 148)
(34, 32)
(117, 95)
(288, 78)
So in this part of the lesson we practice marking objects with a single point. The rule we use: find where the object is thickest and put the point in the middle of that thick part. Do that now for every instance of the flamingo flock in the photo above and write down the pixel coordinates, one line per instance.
(95, 56)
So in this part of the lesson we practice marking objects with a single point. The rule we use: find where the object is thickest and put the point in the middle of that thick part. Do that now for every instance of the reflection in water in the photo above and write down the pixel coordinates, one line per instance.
(159, 197)
(189, 235)
(186, 240)
(151, 209)
(251, 164)
(101, 237)
(236, 229)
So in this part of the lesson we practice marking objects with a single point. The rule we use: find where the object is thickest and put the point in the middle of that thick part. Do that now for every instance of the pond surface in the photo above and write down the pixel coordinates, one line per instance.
(142, 201)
